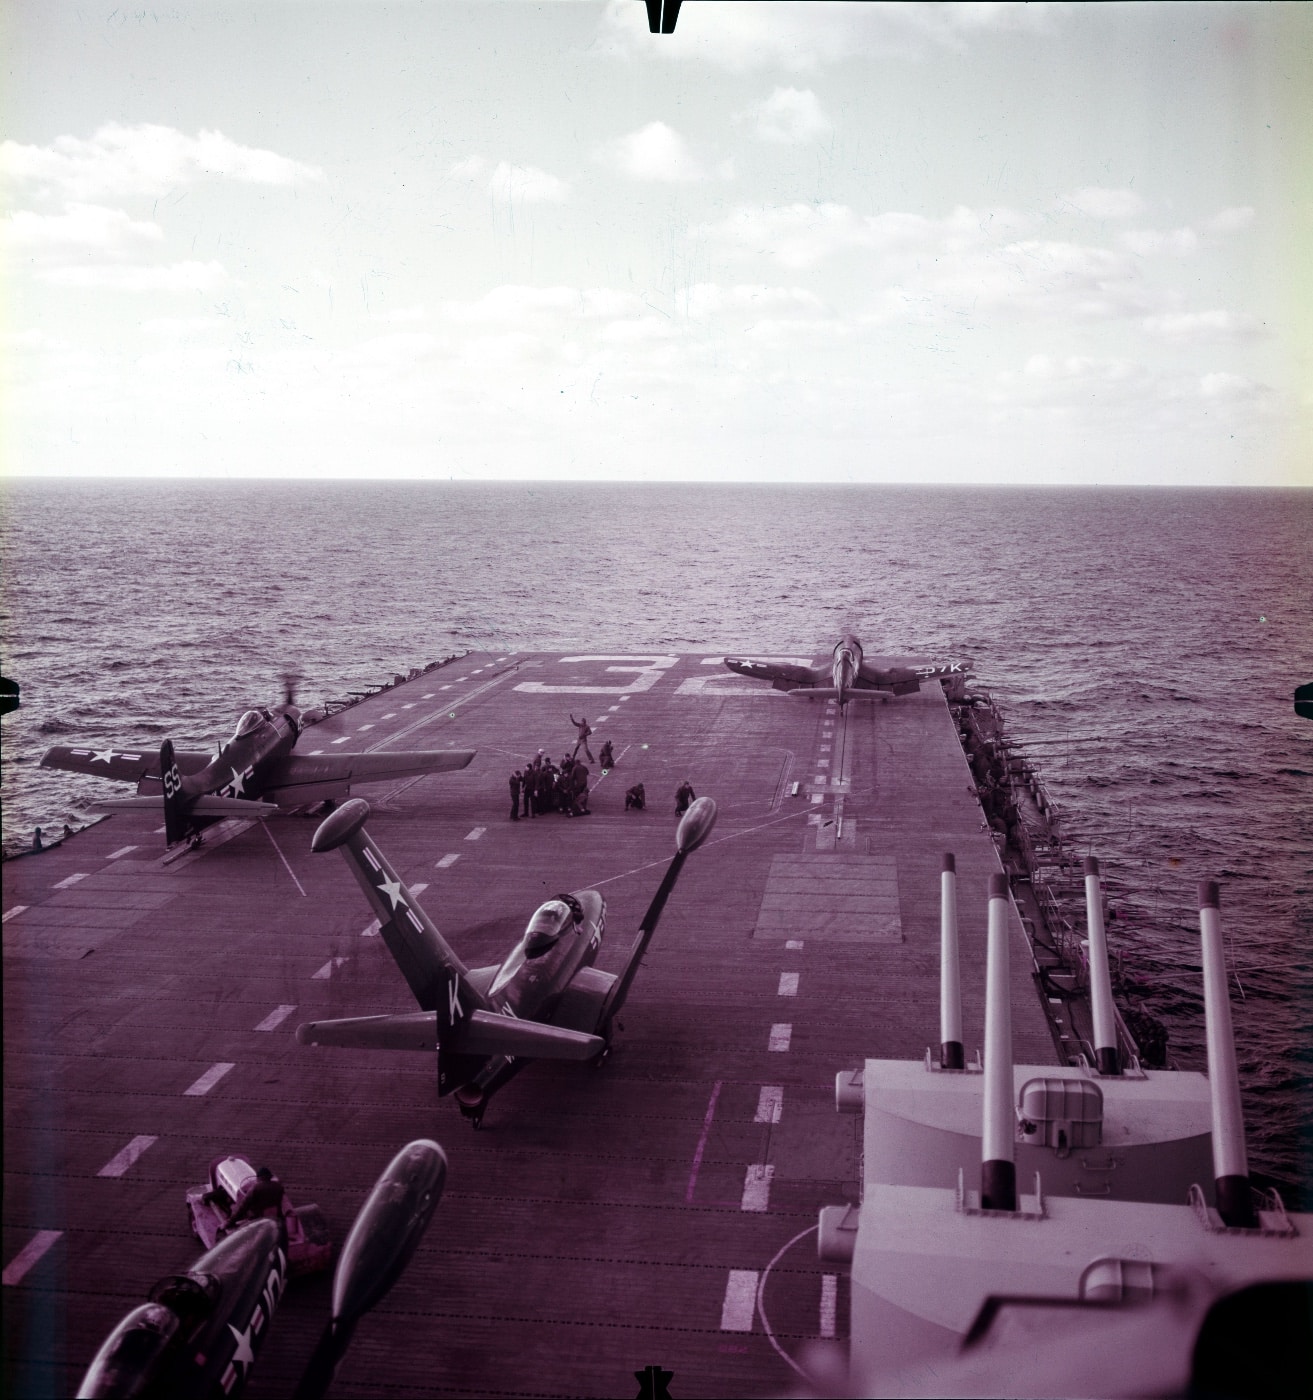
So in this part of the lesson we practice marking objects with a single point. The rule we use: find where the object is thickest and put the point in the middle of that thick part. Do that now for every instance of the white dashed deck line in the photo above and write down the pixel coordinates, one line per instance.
(328, 969)
(342, 740)
(794, 943)
(160, 830)
(825, 748)
(207, 1081)
(503, 658)
(829, 1303)
(611, 709)
(476, 833)
(411, 706)
(393, 714)
(120, 853)
(428, 695)
(14, 912)
(623, 698)
(313, 752)
(420, 887)
(740, 1305)
(756, 1187)
(121, 1161)
(71, 880)
(770, 1103)
(822, 763)
(447, 861)
(276, 1018)
(30, 1254)
(818, 797)
(444, 687)
(363, 727)
(780, 1035)
(371, 929)
(788, 985)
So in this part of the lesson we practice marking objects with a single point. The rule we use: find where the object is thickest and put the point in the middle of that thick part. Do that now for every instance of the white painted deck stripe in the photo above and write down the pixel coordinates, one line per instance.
(428, 695)
(30, 1254)
(122, 851)
(501, 658)
(756, 1187)
(276, 1018)
(411, 706)
(788, 984)
(121, 1161)
(444, 687)
(207, 1081)
(371, 929)
(448, 860)
(14, 912)
(419, 887)
(476, 833)
(780, 1035)
(740, 1304)
(829, 1303)
(342, 740)
(770, 1103)
(822, 763)
(72, 880)
(315, 751)
(393, 714)
(794, 943)
(816, 797)
(328, 969)
(363, 727)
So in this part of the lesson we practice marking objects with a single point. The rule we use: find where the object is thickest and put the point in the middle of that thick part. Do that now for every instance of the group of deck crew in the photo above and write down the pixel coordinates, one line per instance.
(543, 786)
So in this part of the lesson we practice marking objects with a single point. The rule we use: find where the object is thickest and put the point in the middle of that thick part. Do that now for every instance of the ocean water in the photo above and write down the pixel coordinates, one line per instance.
(1143, 645)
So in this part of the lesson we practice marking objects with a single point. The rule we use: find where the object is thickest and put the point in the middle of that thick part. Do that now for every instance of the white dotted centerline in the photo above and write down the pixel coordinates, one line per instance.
(30, 1254)
(363, 727)
(448, 860)
(740, 1305)
(393, 714)
(756, 1187)
(829, 1303)
(780, 1035)
(14, 912)
(122, 851)
(276, 1018)
(371, 929)
(770, 1103)
(207, 1081)
(328, 969)
(121, 1161)
(794, 943)
(476, 833)
(72, 880)
(788, 984)
(342, 740)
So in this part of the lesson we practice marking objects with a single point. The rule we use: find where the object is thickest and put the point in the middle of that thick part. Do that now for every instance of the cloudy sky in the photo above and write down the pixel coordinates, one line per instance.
(485, 238)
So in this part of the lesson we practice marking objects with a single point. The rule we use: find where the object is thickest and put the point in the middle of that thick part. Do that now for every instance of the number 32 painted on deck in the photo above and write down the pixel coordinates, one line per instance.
(647, 671)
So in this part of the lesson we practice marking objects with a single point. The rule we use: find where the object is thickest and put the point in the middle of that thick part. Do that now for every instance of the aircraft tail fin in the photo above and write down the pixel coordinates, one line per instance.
(177, 819)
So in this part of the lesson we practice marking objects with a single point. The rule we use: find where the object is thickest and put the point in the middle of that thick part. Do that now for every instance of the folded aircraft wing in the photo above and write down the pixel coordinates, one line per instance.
(775, 671)
(124, 765)
(309, 771)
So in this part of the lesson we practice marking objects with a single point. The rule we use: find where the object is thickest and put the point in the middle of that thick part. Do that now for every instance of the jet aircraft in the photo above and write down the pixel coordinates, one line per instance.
(544, 1001)
(847, 677)
(256, 763)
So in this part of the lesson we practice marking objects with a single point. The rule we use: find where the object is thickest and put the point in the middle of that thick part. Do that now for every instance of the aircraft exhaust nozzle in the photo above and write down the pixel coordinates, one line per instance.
(341, 825)
(695, 825)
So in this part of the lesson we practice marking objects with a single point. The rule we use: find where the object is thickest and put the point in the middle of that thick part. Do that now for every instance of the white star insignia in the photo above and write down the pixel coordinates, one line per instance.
(243, 1356)
(104, 756)
(392, 888)
(237, 784)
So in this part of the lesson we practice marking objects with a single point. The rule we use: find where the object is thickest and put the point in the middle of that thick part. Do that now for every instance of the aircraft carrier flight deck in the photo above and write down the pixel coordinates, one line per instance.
(603, 1219)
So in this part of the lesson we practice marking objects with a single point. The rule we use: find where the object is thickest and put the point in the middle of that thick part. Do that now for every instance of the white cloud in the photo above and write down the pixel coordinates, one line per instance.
(525, 184)
(182, 327)
(175, 277)
(1100, 203)
(144, 160)
(1221, 385)
(468, 169)
(1230, 220)
(80, 228)
(1193, 326)
(789, 117)
(656, 153)
(802, 37)
(1149, 242)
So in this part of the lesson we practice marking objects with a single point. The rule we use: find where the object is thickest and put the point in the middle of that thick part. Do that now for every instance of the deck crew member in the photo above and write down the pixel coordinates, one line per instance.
(605, 756)
(585, 729)
(684, 796)
(517, 778)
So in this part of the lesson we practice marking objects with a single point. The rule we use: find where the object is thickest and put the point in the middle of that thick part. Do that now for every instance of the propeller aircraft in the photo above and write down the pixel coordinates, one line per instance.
(546, 1000)
(847, 677)
(253, 774)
